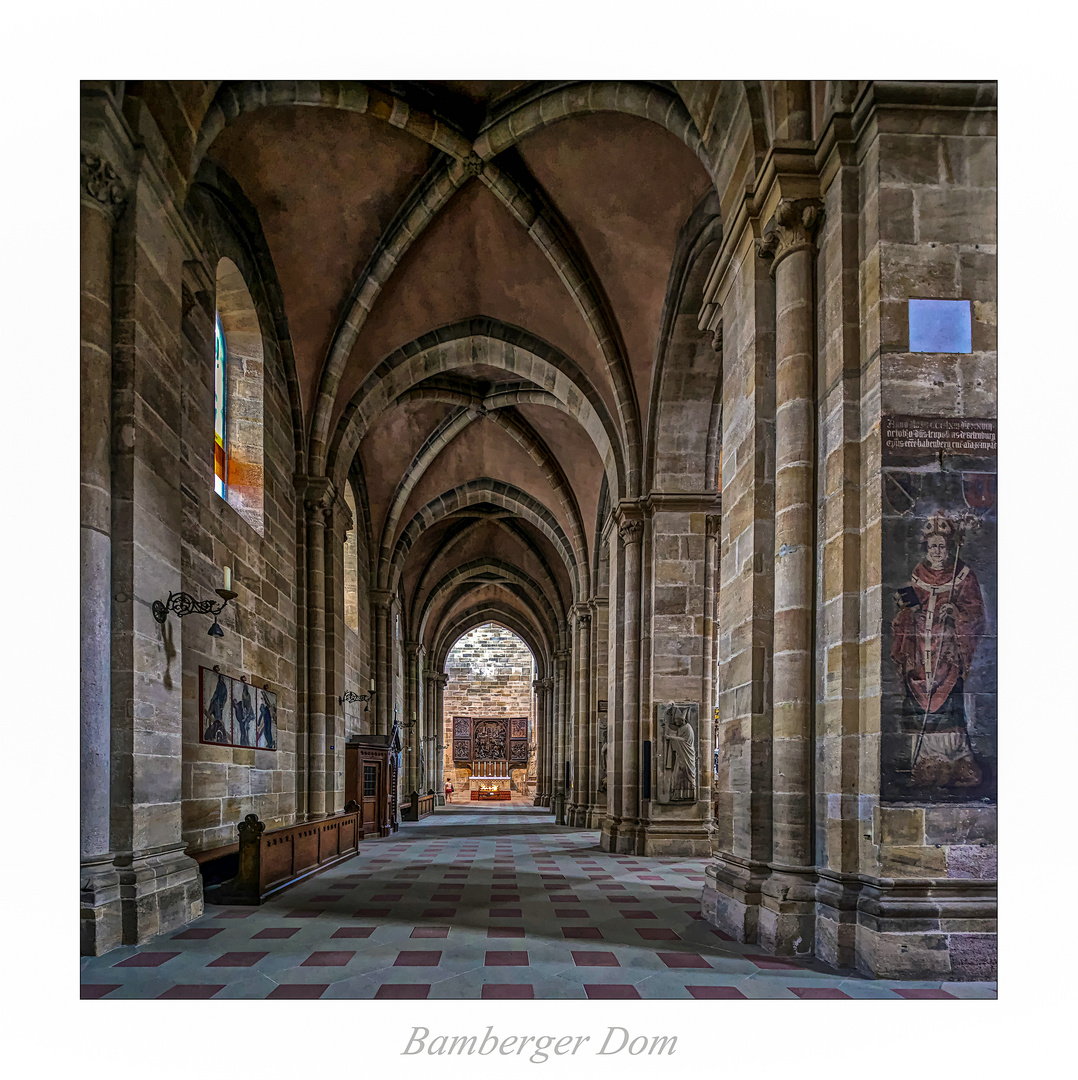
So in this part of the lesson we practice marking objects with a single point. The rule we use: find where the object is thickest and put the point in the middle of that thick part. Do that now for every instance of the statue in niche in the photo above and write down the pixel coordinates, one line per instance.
(935, 632)
(677, 752)
(603, 742)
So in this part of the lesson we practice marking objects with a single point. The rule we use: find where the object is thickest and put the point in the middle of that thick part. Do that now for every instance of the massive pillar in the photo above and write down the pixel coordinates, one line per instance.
(338, 522)
(160, 887)
(741, 831)
(413, 731)
(787, 914)
(543, 688)
(560, 740)
(103, 196)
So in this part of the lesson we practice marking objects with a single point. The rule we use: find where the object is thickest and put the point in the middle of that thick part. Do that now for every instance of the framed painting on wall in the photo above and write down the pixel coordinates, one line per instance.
(266, 722)
(215, 695)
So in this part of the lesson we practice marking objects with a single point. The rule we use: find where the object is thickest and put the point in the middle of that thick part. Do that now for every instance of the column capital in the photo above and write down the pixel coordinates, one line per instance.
(582, 614)
(544, 685)
(382, 599)
(793, 229)
(100, 183)
(713, 525)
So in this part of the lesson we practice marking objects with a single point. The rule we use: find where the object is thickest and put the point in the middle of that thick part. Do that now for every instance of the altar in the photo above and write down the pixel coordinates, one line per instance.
(490, 781)
(487, 747)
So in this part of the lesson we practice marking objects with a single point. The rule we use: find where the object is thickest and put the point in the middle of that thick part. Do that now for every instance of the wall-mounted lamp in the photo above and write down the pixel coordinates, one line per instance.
(185, 604)
(351, 695)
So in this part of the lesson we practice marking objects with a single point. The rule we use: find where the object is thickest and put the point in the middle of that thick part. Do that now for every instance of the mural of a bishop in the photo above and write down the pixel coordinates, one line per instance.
(939, 623)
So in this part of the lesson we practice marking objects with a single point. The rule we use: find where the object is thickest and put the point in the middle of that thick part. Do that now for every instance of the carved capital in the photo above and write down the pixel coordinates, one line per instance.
(630, 530)
(101, 183)
(716, 338)
(382, 599)
(794, 229)
(713, 524)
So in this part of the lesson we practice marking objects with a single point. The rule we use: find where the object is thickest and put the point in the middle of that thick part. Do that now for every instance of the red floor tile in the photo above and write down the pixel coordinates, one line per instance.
(595, 959)
(147, 959)
(443, 898)
(508, 991)
(92, 991)
(503, 877)
(666, 888)
(198, 933)
(342, 886)
(504, 886)
(570, 913)
(721, 933)
(439, 913)
(275, 932)
(388, 896)
(237, 959)
(464, 876)
(301, 913)
(649, 877)
(190, 992)
(402, 991)
(506, 913)
(639, 915)
(924, 994)
(564, 898)
(517, 958)
(233, 913)
(328, 959)
(328, 898)
(592, 932)
(505, 932)
(611, 991)
(354, 932)
(616, 887)
(552, 877)
(770, 962)
(430, 932)
(418, 958)
(371, 913)
(604, 877)
(715, 993)
(686, 901)
(658, 933)
(818, 993)
(682, 960)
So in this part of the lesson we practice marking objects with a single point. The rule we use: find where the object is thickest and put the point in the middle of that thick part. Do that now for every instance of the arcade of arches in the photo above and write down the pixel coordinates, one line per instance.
(623, 378)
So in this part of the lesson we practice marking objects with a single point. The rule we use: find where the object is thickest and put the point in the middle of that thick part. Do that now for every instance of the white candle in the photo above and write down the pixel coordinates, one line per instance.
(372, 684)
(228, 579)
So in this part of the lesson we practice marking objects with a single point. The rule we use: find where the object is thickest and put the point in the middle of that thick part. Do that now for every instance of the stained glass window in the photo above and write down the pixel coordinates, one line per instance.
(219, 366)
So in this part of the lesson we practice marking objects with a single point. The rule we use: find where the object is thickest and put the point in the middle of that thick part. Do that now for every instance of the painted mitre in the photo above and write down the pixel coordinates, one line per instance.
(939, 524)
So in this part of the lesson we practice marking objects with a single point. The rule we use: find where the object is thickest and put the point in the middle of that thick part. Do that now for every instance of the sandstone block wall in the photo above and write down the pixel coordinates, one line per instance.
(490, 674)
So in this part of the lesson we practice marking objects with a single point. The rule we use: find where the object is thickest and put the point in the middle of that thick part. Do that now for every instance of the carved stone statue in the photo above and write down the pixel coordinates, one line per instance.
(677, 772)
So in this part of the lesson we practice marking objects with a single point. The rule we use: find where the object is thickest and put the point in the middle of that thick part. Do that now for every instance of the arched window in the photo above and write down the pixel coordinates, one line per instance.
(220, 458)
(238, 397)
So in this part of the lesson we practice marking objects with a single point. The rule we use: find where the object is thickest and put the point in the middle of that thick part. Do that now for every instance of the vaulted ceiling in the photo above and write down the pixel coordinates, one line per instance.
(474, 277)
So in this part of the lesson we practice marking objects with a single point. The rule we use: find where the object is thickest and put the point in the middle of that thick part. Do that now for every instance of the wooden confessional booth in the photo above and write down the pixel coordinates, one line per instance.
(371, 771)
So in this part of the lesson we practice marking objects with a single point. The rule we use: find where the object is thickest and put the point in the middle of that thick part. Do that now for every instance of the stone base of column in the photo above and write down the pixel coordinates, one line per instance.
(731, 896)
(542, 799)
(836, 918)
(557, 805)
(787, 916)
(439, 800)
(926, 929)
(159, 891)
(681, 840)
(100, 915)
(620, 837)
(595, 815)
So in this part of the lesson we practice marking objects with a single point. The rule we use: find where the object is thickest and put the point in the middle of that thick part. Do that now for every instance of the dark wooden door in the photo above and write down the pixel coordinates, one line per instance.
(370, 781)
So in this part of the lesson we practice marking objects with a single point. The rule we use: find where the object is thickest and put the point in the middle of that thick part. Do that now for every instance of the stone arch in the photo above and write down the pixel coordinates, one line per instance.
(229, 226)
(521, 432)
(450, 633)
(496, 344)
(644, 100)
(485, 489)
(471, 571)
(687, 368)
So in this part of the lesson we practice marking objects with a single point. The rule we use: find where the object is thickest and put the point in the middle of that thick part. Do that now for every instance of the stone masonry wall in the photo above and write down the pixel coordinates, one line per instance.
(490, 674)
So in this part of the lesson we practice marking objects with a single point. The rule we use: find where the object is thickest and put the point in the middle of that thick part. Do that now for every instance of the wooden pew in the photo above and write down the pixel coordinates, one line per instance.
(271, 861)
(418, 806)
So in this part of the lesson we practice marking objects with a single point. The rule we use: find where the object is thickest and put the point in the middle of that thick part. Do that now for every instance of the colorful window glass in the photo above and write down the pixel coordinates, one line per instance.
(219, 363)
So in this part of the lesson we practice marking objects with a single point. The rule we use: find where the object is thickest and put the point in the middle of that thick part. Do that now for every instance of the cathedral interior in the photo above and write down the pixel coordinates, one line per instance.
(557, 512)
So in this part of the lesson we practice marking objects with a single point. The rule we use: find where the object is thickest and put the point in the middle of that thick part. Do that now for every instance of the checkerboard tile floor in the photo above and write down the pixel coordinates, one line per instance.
(479, 902)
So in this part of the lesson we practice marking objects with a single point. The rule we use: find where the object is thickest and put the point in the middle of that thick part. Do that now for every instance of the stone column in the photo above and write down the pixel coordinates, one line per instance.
(560, 725)
(439, 715)
(412, 729)
(160, 886)
(624, 824)
(596, 800)
(582, 721)
(787, 915)
(316, 505)
(338, 522)
(103, 196)
(381, 599)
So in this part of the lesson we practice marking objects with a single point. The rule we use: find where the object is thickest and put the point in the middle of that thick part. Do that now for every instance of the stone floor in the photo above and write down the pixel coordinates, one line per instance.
(479, 901)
